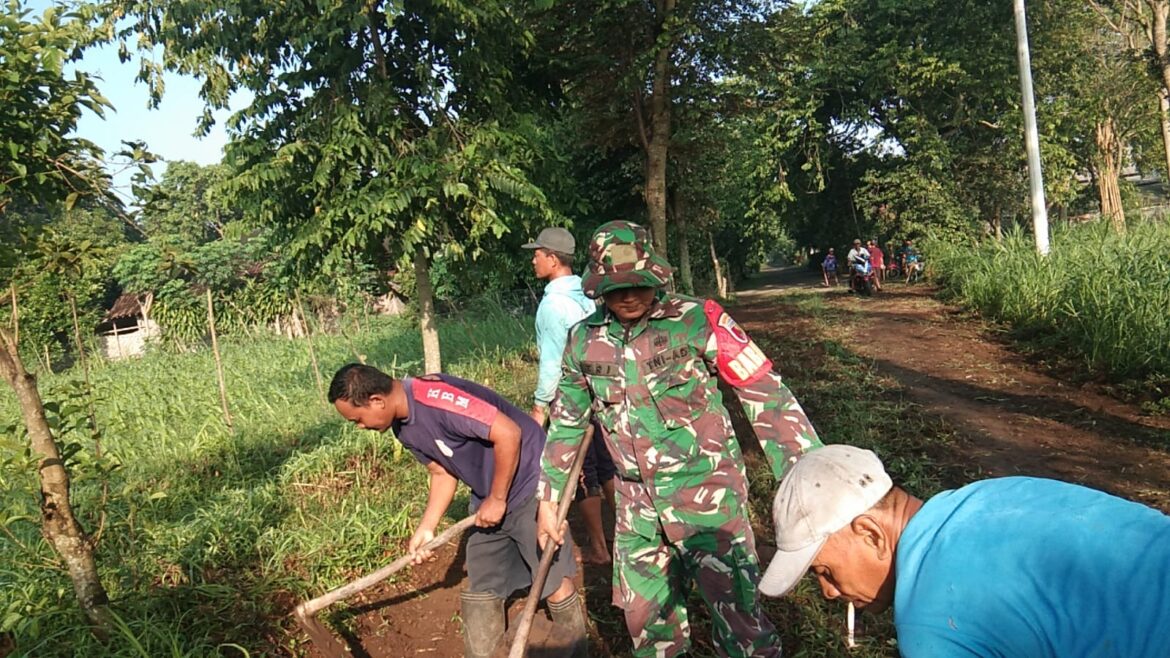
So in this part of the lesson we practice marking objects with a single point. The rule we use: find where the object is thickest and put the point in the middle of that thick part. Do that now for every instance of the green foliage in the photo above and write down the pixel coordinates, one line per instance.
(905, 202)
(188, 207)
(44, 167)
(70, 259)
(40, 161)
(375, 131)
(1099, 299)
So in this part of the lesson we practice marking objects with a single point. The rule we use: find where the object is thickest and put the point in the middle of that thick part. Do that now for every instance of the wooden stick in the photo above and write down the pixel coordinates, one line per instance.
(306, 613)
(312, 352)
(223, 396)
(520, 640)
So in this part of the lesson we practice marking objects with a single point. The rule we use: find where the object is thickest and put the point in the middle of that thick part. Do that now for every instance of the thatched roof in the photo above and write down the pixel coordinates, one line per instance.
(126, 306)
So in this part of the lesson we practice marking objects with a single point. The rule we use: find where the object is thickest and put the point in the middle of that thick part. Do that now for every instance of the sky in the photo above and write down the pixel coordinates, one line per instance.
(168, 130)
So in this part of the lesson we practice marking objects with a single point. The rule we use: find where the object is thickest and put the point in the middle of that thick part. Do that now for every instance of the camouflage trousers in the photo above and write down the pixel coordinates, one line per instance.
(653, 577)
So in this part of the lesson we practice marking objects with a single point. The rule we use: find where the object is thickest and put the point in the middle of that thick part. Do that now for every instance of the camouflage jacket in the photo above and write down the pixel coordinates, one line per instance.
(654, 393)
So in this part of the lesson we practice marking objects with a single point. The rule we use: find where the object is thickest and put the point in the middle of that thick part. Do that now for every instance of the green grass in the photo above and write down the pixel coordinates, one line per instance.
(1099, 299)
(210, 535)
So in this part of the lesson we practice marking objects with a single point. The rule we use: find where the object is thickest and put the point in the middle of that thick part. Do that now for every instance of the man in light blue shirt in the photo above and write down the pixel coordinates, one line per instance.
(563, 305)
(1009, 567)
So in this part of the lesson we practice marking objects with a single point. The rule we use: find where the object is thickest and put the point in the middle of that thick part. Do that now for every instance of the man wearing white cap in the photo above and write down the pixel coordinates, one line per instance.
(1011, 567)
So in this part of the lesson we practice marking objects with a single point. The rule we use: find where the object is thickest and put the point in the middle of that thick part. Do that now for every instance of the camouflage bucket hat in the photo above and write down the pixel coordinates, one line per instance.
(620, 256)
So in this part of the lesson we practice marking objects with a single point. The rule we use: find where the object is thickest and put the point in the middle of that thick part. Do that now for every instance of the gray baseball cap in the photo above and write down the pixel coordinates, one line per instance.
(823, 492)
(554, 239)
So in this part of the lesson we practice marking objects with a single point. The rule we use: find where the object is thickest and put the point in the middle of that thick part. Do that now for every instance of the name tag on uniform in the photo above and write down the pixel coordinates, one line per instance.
(680, 353)
(594, 369)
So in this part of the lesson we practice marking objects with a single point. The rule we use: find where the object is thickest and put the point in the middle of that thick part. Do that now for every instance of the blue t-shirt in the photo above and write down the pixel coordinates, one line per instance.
(1028, 568)
(448, 420)
(564, 304)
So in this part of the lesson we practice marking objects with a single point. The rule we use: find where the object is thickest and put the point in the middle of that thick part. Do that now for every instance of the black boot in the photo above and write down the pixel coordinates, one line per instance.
(570, 621)
(483, 623)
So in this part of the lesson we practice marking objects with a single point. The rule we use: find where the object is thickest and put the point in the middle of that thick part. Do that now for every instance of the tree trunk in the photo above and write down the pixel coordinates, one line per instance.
(686, 278)
(223, 396)
(997, 223)
(145, 306)
(1159, 10)
(432, 359)
(1164, 121)
(15, 317)
(658, 144)
(720, 280)
(60, 527)
(1108, 171)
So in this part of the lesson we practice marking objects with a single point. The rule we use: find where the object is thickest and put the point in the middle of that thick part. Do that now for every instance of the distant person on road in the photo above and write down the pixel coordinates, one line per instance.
(911, 260)
(647, 365)
(464, 432)
(1013, 567)
(563, 305)
(878, 259)
(829, 268)
(893, 264)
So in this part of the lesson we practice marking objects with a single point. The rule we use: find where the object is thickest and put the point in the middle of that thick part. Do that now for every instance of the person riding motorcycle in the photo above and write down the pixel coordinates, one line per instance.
(859, 266)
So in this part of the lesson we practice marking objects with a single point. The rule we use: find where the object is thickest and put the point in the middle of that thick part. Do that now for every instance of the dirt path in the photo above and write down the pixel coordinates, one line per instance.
(1011, 417)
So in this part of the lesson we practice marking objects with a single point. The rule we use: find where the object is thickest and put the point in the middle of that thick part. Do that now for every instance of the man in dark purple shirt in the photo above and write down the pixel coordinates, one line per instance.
(464, 432)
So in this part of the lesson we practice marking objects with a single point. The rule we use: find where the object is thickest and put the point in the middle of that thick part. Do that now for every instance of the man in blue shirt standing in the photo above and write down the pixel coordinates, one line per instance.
(1010, 567)
(464, 432)
(563, 305)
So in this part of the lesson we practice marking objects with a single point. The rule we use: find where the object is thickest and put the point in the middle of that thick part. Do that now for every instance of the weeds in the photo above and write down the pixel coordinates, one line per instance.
(1099, 299)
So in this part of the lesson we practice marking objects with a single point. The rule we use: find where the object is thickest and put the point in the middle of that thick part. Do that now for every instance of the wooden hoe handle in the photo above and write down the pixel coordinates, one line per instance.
(306, 613)
(520, 641)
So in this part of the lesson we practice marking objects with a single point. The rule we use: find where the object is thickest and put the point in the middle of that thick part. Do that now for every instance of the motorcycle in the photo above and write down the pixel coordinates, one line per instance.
(861, 279)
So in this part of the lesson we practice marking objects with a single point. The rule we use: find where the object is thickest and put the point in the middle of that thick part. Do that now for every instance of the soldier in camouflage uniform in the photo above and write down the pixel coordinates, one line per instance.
(646, 364)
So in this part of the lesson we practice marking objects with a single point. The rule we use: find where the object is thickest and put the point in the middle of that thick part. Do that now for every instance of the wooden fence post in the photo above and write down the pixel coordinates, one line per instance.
(223, 397)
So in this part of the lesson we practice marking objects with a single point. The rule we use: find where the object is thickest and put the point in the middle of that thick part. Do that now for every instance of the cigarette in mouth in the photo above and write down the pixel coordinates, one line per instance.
(849, 627)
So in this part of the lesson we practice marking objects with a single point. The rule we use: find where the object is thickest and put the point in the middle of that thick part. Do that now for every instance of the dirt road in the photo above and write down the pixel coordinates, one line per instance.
(1013, 416)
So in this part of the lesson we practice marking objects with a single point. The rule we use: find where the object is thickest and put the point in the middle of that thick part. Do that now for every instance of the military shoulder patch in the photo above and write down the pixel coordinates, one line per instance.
(445, 397)
(740, 361)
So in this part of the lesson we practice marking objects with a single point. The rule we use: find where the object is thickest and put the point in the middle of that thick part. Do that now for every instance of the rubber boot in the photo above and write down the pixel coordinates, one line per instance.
(483, 623)
(570, 623)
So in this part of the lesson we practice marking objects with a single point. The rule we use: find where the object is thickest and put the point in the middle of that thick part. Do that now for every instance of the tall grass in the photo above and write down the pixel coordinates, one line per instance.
(1099, 297)
(210, 535)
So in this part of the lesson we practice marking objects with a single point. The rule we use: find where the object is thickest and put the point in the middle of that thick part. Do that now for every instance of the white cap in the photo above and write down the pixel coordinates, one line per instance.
(823, 492)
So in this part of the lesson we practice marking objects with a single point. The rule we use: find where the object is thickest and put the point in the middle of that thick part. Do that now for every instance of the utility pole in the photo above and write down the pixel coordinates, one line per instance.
(1032, 137)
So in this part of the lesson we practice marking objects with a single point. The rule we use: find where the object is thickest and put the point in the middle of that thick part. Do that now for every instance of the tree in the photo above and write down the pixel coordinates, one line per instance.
(1141, 24)
(380, 130)
(42, 164)
(628, 65)
(188, 207)
(1096, 109)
